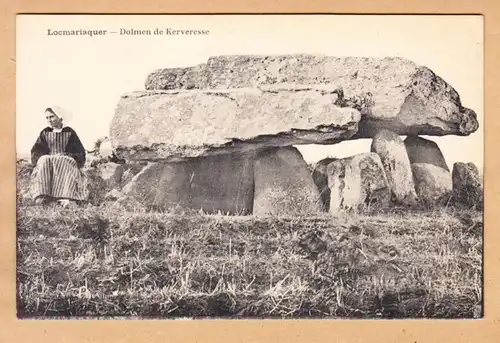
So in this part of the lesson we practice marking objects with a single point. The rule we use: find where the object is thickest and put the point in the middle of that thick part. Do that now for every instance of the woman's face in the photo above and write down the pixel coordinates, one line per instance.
(53, 120)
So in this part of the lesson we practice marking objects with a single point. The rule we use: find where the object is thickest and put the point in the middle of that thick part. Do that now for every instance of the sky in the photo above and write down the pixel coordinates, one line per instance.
(88, 75)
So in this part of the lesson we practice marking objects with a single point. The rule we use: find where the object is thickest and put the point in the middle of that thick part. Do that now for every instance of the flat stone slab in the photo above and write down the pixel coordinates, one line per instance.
(174, 125)
(391, 93)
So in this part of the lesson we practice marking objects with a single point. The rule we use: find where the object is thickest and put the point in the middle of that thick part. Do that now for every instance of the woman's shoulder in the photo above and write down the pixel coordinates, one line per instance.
(68, 129)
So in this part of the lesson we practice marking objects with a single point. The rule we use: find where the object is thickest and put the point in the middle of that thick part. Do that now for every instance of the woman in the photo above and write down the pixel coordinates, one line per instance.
(58, 156)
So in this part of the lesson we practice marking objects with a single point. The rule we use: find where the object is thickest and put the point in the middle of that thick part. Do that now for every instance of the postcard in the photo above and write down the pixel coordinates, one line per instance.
(249, 166)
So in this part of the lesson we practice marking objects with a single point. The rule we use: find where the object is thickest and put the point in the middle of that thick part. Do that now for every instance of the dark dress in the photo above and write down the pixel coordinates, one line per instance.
(58, 157)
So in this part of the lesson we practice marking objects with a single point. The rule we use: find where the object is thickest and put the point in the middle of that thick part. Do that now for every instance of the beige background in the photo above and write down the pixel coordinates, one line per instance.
(87, 75)
(12, 330)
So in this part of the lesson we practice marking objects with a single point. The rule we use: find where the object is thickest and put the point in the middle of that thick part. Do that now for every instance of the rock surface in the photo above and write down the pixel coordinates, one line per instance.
(96, 185)
(392, 152)
(467, 188)
(173, 125)
(113, 194)
(111, 173)
(131, 170)
(283, 184)
(106, 149)
(391, 93)
(431, 183)
(215, 183)
(421, 150)
(357, 183)
(320, 177)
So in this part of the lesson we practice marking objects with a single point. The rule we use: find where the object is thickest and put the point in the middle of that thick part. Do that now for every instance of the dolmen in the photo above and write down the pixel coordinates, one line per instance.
(221, 136)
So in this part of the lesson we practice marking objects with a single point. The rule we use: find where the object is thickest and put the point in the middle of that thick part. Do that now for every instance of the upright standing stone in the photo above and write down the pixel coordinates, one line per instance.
(283, 184)
(431, 183)
(421, 150)
(358, 183)
(467, 187)
(215, 183)
(392, 152)
(320, 177)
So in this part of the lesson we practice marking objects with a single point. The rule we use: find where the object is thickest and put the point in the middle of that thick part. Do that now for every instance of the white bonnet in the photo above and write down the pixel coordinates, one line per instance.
(60, 112)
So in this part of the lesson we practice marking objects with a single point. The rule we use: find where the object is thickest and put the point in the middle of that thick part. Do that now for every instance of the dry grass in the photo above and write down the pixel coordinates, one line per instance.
(92, 261)
(95, 261)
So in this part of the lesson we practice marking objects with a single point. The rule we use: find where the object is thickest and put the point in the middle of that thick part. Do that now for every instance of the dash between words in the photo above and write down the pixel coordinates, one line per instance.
(126, 32)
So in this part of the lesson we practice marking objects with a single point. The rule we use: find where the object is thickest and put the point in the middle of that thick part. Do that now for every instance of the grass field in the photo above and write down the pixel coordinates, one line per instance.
(100, 261)
(95, 262)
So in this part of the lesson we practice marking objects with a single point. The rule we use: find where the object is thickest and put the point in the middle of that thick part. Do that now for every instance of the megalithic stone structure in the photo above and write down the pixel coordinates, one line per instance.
(243, 105)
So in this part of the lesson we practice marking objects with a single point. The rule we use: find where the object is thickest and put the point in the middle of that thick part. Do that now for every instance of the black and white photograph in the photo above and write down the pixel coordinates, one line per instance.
(264, 166)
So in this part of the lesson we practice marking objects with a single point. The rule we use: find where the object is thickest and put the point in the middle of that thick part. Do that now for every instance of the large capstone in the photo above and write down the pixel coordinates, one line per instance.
(283, 184)
(173, 125)
(392, 93)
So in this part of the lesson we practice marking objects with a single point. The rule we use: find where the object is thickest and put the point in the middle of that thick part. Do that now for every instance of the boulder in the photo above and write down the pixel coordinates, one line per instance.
(421, 150)
(392, 152)
(106, 150)
(170, 126)
(358, 183)
(111, 173)
(392, 93)
(97, 187)
(213, 183)
(431, 183)
(283, 184)
(320, 177)
(467, 188)
(92, 159)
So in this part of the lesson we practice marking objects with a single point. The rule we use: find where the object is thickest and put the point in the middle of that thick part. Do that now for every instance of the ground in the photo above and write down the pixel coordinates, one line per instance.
(100, 261)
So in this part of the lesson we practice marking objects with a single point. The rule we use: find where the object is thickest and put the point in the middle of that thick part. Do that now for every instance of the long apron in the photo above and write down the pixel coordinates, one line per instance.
(56, 175)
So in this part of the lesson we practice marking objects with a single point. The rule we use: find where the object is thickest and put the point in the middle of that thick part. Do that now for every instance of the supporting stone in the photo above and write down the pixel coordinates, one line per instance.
(421, 150)
(431, 183)
(358, 183)
(320, 177)
(392, 152)
(283, 184)
(222, 183)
